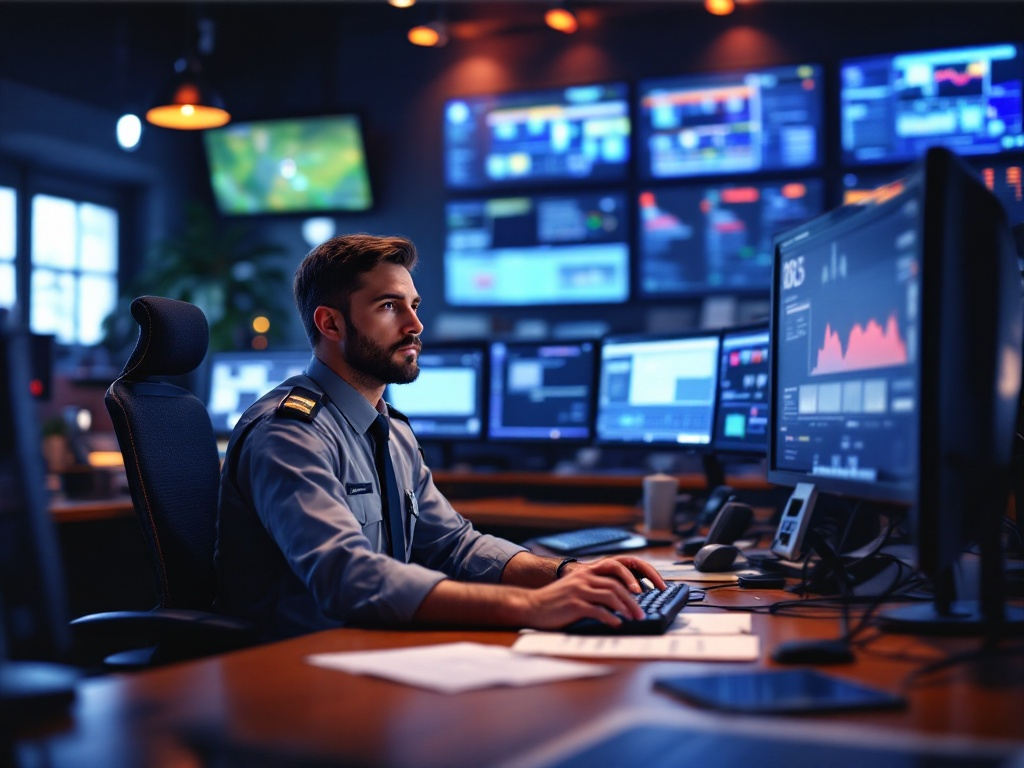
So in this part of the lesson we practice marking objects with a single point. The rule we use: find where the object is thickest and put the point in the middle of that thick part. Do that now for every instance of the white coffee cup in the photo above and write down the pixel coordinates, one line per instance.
(659, 501)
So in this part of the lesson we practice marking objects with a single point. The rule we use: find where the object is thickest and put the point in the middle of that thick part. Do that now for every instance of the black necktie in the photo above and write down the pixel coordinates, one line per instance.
(391, 500)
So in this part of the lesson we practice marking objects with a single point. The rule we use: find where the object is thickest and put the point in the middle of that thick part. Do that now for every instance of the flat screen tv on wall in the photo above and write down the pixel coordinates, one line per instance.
(295, 165)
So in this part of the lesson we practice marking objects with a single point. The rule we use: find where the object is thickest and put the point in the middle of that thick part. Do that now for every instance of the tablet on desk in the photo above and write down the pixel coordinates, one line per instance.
(788, 691)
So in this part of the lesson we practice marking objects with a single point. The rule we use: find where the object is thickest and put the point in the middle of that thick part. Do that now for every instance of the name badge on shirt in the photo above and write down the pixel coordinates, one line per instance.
(358, 489)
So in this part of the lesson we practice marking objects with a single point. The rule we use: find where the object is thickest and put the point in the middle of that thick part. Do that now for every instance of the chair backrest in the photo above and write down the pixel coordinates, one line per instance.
(170, 450)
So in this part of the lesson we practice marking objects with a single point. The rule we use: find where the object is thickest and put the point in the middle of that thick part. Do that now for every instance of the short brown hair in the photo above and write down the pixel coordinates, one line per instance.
(332, 272)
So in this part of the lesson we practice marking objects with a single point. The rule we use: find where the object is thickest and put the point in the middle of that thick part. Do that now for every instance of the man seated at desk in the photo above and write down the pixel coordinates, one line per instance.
(306, 538)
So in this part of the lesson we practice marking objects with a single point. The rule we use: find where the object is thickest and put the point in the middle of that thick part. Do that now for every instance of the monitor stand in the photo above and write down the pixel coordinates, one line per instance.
(31, 689)
(989, 615)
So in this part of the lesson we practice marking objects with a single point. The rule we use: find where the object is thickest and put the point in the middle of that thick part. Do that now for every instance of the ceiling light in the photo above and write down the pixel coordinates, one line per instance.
(561, 19)
(432, 35)
(187, 102)
(402, 3)
(129, 132)
(720, 7)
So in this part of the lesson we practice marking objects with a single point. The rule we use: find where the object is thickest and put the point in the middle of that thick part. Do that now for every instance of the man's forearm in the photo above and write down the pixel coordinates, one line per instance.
(459, 602)
(525, 569)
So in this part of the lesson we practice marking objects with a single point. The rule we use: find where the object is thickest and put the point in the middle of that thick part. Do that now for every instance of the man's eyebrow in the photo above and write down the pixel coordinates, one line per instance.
(399, 296)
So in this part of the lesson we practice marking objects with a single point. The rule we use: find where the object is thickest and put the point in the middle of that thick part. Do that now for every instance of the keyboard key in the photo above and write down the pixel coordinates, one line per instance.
(661, 607)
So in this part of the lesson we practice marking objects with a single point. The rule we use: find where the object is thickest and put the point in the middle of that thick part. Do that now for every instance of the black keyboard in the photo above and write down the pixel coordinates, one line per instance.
(661, 608)
(584, 538)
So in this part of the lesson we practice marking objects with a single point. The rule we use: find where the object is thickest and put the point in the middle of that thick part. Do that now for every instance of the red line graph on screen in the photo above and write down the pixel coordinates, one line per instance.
(868, 346)
(955, 77)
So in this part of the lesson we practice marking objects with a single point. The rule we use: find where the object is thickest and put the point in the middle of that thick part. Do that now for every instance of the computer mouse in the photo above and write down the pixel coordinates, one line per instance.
(713, 558)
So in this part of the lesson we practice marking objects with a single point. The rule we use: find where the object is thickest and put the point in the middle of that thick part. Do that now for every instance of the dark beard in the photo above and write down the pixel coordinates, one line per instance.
(375, 362)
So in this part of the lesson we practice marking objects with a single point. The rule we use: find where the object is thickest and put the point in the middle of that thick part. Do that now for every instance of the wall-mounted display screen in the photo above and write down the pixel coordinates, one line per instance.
(1002, 177)
(446, 401)
(658, 390)
(741, 418)
(570, 248)
(731, 122)
(967, 99)
(542, 390)
(579, 133)
(236, 380)
(701, 239)
(292, 165)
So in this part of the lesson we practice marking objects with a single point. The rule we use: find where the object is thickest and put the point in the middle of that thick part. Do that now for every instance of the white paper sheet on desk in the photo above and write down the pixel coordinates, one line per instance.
(456, 667)
(668, 646)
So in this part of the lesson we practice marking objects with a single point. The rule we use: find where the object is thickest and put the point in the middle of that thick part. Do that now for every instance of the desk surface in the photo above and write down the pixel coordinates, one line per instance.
(268, 702)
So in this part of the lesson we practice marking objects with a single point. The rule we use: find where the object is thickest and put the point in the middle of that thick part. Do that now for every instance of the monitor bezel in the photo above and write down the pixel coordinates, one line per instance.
(611, 340)
(724, 447)
(270, 214)
(469, 345)
(642, 129)
(489, 187)
(591, 398)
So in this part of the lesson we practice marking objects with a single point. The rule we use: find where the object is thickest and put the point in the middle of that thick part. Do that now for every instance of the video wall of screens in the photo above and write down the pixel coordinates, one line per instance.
(567, 248)
(542, 390)
(967, 99)
(290, 165)
(741, 418)
(578, 133)
(731, 122)
(236, 380)
(446, 401)
(657, 390)
(710, 238)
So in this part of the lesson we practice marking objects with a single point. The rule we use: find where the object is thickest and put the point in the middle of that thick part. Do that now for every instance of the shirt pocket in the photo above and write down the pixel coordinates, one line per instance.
(367, 510)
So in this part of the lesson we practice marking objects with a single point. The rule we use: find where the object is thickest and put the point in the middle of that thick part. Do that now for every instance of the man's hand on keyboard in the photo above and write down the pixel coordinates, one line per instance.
(595, 590)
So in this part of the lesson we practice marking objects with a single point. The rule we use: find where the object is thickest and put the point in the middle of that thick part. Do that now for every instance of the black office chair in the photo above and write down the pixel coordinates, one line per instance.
(170, 456)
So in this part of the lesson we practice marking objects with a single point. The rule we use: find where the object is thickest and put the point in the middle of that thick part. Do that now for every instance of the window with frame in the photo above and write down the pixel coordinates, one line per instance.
(8, 247)
(74, 255)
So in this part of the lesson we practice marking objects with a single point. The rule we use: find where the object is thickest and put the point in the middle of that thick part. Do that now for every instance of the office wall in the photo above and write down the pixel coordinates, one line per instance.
(400, 91)
(274, 59)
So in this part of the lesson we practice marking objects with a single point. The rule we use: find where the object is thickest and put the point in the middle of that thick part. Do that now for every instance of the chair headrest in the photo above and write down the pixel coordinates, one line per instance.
(173, 338)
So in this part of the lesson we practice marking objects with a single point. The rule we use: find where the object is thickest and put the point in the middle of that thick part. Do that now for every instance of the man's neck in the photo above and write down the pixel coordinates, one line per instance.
(367, 386)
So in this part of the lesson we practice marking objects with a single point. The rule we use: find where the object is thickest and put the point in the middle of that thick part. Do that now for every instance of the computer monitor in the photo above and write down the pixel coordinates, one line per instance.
(701, 239)
(446, 401)
(580, 133)
(238, 379)
(895, 354)
(968, 99)
(658, 390)
(741, 416)
(531, 250)
(542, 390)
(724, 123)
(34, 630)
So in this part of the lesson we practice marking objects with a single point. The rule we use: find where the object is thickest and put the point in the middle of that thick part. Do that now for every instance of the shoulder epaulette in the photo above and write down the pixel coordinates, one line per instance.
(300, 403)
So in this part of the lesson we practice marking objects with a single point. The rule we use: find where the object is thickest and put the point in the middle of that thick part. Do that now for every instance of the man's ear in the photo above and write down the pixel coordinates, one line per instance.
(330, 322)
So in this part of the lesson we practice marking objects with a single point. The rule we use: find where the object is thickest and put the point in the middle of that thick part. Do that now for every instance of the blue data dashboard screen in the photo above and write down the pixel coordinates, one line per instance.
(578, 133)
(709, 238)
(967, 99)
(569, 248)
(731, 122)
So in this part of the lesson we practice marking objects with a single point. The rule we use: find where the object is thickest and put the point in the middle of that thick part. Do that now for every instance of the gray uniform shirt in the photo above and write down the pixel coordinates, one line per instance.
(301, 539)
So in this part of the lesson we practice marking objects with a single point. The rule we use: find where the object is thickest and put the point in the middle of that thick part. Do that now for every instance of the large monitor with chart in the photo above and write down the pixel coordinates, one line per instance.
(895, 360)
(741, 416)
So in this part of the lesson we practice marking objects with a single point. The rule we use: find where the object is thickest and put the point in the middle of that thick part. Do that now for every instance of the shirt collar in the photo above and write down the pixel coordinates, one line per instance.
(353, 406)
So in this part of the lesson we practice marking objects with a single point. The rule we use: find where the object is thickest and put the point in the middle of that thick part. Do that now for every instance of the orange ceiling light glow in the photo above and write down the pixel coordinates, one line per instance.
(432, 35)
(402, 3)
(561, 20)
(719, 7)
(187, 102)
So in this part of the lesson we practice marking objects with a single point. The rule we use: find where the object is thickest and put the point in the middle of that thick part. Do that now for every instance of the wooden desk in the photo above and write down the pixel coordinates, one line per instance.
(266, 706)
(85, 510)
